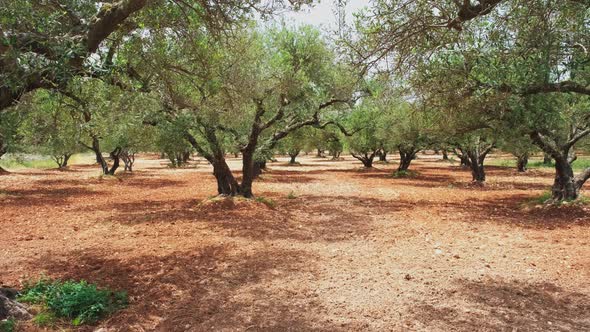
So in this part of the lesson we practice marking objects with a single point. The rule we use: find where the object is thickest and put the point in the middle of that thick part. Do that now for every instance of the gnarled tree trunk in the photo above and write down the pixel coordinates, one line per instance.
(566, 186)
(128, 160)
(293, 155)
(406, 155)
(477, 155)
(366, 158)
(227, 185)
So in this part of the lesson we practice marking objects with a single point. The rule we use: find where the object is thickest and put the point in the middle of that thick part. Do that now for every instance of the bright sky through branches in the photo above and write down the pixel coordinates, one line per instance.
(324, 14)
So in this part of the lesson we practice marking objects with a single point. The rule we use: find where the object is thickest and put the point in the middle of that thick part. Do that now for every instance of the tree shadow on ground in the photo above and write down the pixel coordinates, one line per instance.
(512, 210)
(306, 218)
(13, 198)
(495, 305)
(280, 176)
(208, 289)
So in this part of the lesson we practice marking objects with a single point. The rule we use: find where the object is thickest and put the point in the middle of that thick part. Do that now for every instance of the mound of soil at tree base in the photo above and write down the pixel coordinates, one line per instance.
(221, 203)
(9, 308)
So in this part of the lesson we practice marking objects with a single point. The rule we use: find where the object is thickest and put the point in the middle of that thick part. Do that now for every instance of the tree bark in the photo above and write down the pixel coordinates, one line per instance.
(62, 161)
(320, 153)
(383, 156)
(98, 153)
(186, 156)
(445, 155)
(226, 183)
(128, 160)
(115, 156)
(522, 162)
(293, 156)
(477, 157)
(366, 158)
(564, 187)
(406, 156)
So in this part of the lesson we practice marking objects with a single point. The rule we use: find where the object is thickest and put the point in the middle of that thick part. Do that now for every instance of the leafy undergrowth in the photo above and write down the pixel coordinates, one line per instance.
(8, 325)
(75, 301)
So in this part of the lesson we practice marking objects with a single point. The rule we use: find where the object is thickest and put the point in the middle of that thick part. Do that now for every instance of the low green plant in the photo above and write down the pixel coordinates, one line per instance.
(45, 319)
(291, 195)
(76, 300)
(8, 325)
(266, 201)
(546, 196)
(404, 174)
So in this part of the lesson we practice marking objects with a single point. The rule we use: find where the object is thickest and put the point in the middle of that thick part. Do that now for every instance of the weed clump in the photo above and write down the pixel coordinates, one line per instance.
(80, 301)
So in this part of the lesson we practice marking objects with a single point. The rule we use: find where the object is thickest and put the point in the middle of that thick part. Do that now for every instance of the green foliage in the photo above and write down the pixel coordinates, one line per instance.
(45, 319)
(8, 325)
(266, 201)
(291, 195)
(364, 119)
(49, 128)
(76, 300)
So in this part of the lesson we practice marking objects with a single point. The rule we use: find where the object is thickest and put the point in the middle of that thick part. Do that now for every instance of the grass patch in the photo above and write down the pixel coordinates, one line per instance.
(291, 195)
(580, 164)
(545, 198)
(8, 325)
(266, 201)
(45, 319)
(78, 301)
(404, 174)
(16, 161)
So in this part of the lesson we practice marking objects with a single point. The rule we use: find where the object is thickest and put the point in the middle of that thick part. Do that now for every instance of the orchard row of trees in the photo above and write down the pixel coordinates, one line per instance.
(460, 77)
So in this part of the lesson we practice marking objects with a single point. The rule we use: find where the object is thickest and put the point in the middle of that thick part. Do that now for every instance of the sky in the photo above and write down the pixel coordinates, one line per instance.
(323, 15)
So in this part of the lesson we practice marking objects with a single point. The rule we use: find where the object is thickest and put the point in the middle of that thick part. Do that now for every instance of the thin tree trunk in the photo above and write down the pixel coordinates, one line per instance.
(522, 162)
(99, 158)
(64, 162)
(445, 155)
(293, 156)
(115, 155)
(320, 153)
(383, 156)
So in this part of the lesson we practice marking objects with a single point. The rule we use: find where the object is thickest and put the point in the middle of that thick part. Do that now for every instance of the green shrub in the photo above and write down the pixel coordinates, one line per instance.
(45, 319)
(8, 325)
(291, 195)
(266, 201)
(77, 300)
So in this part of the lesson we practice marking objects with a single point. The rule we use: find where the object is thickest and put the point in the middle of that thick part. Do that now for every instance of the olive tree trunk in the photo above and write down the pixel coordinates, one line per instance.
(366, 158)
(406, 155)
(566, 185)
(522, 161)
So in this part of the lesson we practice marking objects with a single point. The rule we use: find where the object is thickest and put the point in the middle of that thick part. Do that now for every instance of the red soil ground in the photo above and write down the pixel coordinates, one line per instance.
(353, 251)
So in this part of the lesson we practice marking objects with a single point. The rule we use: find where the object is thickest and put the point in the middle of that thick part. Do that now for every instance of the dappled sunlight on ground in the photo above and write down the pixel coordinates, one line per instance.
(331, 247)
